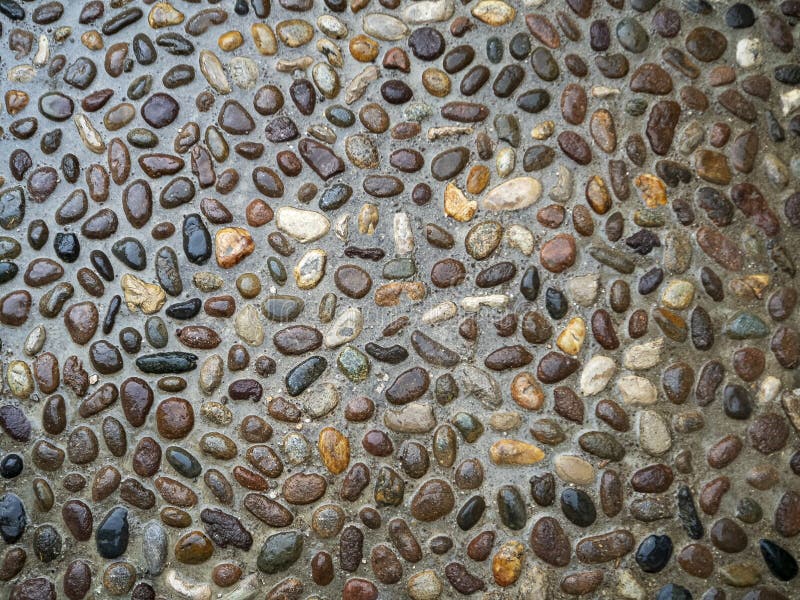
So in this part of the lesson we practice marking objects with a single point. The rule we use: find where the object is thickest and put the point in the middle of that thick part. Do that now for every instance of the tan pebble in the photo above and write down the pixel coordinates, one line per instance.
(637, 390)
(573, 469)
(514, 194)
(148, 297)
(163, 14)
(456, 205)
(368, 219)
(92, 40)
(232, 245)
(494, 12)
(596, 375)
(331, 52)
(643, 356)
(264, 39)
(571, 339)
(507, 563)
(520, 238)
(294, 32)
(230, 41)
(310, 269)
(19, 379)
(750, 287)
(436, 82)
(248, 325)
(543, 130)
(505, 420)
(526, 391)
(62, 33)
(390, 294)
(363, 48)
(514, 452)
(478, 178)
(334, 449)
(504, 161)
(424, 585)
(16, 101)
(217, 413)
(652, 189)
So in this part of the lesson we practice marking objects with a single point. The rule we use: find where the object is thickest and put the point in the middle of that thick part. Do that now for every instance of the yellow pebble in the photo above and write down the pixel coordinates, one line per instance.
(230, 41)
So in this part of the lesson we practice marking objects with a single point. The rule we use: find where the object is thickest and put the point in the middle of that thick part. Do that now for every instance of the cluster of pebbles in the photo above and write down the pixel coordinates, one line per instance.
(399, 298)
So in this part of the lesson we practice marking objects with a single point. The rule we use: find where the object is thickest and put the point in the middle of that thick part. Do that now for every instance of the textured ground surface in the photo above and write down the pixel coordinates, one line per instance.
(399, 299)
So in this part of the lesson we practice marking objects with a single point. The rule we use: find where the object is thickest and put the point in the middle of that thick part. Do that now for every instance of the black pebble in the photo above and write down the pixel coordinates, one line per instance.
(780, 562)
(556, 303)
(12, 10)
(650, 281)
(672, 591)
(130, 340)
(131, 253)
(737, 402)
(188, 309)
(8, 270)
(520, 46)
(67, 247)
(529, 284)
(739, 16)
(687, 512)
(102, 264)
(38, 234)
(426, 43)
(12, 518)
(578, 507)
(112, 534)
(196, 240)
(11, 466)
(654, 553)
(494, 49)
(471, 512)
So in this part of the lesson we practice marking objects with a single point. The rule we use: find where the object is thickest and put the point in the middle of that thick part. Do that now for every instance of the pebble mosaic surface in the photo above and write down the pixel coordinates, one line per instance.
(396, 299)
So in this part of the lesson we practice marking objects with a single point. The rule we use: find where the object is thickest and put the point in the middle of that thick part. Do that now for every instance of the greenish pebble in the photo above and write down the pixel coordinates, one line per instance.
(183, 462)
(142, 138)
(206, 281)
(155, 330)
(511, 507)
(649, 217)
(353, 363)
(9, 248)
(507, 129)
(399, 268)
(601, 444)
(327, 308)
(749, 511)
(281, 308)
(636, 107)
(744, 326)
(140, 87)
(468, 426)
(612, 258)
(445, 389)
(276, 270)
(340, 116)
(280, 551)
(494, 49)
(417, 111)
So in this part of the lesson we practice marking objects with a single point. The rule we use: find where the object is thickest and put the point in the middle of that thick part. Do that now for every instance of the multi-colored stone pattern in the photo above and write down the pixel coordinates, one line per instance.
(377, 299)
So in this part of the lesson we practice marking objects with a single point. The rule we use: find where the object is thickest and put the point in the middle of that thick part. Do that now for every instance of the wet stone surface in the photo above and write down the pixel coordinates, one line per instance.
(313, 299)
